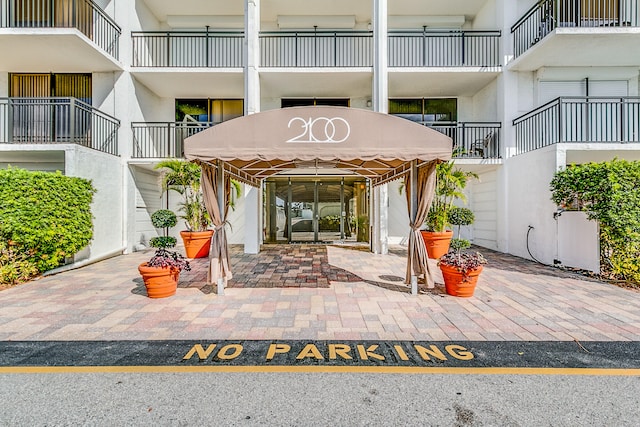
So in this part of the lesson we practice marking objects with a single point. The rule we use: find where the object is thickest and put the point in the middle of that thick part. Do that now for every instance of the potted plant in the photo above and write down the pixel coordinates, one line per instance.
(160, 274)
(450, 183)
(184, 178)
(460, 270)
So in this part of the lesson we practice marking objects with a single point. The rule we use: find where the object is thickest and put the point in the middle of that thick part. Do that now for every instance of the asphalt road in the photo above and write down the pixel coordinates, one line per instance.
(112, 399)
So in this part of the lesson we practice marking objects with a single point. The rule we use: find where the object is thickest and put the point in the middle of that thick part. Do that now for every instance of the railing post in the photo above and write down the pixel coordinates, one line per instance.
(206, 44)
(463, 48)
(464, 137)
(72, 120)
(315, 45)
(169, 139)
(168, 49)
(424, 45)
(335, 49)
(623, 132)
(74, 9)
(560, 139)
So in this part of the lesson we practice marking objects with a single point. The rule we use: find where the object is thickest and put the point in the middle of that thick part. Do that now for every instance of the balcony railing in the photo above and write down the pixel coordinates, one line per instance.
(213, 49)
(84, 15)
(57, 121)
(316, 49)
(546, 15)
(579, 119)
(455, 48)
(479, 140)
(158, 140)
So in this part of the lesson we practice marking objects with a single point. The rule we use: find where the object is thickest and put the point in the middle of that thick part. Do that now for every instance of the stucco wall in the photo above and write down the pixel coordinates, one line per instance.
(529, 204)
(105, 172)
(398, 214)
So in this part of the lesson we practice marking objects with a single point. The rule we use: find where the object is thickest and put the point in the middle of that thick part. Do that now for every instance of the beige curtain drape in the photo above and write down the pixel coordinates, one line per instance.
(219, 264)
(417, 258)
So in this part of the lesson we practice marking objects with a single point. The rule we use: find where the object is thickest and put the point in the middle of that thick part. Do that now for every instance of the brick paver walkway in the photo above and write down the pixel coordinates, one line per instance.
(340, 292)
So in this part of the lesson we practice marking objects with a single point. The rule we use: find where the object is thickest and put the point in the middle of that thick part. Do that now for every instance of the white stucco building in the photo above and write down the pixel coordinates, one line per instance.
(105, 89)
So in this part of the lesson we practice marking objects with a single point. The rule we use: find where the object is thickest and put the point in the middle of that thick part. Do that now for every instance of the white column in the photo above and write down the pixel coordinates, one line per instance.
(252, 219)
(380, 104)
(251, 56)
(252, 195)
(380, 100)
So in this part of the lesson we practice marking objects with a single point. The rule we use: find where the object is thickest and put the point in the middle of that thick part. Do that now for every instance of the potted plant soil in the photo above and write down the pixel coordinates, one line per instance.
(460, 270)
(450, 183)
(161, 273)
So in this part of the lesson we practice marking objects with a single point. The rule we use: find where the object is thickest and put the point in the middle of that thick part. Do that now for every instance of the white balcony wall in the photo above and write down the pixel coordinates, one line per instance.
(4, 84)
(485, 103)
(486, 18)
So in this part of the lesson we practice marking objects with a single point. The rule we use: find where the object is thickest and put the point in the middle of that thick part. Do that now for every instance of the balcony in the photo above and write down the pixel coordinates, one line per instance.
(472, 140)
(59, 35)
(455, 48)
(554, 33)
(579, 120)
(182, 63)
(57, 121)
(161, 140)
(200, 49)
(319, 49)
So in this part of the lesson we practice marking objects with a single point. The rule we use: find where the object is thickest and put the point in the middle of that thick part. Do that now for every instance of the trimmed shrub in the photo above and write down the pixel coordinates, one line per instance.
(44, 218)
(164, 218)
(608, 192)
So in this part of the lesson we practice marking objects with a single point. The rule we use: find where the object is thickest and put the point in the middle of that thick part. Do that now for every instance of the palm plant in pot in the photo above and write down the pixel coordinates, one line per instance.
(450, 184)
(184, 178)
(160, 274)
(460, 270)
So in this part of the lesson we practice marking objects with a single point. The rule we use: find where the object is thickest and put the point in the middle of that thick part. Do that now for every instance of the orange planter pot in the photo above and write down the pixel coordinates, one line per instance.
(160, 282)
(437, 243)
(454, 284)
(196, 243)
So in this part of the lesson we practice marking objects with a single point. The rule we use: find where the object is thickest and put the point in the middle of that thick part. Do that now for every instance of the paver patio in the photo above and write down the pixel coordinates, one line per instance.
(341, 292)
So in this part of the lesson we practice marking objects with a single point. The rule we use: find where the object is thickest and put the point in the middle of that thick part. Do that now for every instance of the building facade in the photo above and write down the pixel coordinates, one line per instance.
(105, 89)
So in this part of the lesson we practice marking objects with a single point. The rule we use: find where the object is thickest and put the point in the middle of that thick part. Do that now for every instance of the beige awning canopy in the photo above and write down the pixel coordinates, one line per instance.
(375, 145)
(378, 146)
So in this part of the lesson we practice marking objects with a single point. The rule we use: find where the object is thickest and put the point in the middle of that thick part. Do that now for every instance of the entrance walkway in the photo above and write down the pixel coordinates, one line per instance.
(341, 293)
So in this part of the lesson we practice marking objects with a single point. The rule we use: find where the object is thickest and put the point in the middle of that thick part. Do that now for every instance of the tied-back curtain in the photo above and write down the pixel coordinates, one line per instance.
(417, 258)
(219, 263)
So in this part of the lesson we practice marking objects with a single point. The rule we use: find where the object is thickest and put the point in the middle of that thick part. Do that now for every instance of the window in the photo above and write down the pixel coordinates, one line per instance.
(425, 109)
(302, 102)
(208, 110)
(48, 85)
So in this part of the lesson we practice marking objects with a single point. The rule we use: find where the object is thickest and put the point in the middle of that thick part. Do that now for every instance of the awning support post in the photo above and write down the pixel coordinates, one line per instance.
(221, 205)
(413, 197)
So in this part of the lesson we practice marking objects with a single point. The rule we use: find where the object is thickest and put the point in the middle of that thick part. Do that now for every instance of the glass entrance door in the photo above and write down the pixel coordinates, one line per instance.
(316, 210)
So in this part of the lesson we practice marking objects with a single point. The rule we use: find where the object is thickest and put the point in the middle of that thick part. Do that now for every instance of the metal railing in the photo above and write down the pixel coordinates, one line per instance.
(579, 119)
(546, 15)
(479, 140)
(84, 15)
(455, 48)
(158, 140)
(215, 49)
(57, 121)
(316, 49)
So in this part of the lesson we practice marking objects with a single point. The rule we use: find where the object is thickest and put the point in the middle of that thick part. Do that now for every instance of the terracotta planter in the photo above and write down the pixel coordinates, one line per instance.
(160, 282)
(454, 284)
(196, 243)
(437, 243)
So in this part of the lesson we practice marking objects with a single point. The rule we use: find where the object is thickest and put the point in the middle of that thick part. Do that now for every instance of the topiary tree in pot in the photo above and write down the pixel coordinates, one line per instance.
(161, 273)
(460, 270)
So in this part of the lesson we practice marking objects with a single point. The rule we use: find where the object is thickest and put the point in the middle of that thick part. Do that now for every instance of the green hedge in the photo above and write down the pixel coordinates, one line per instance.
(44, 217)
(608, 192)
